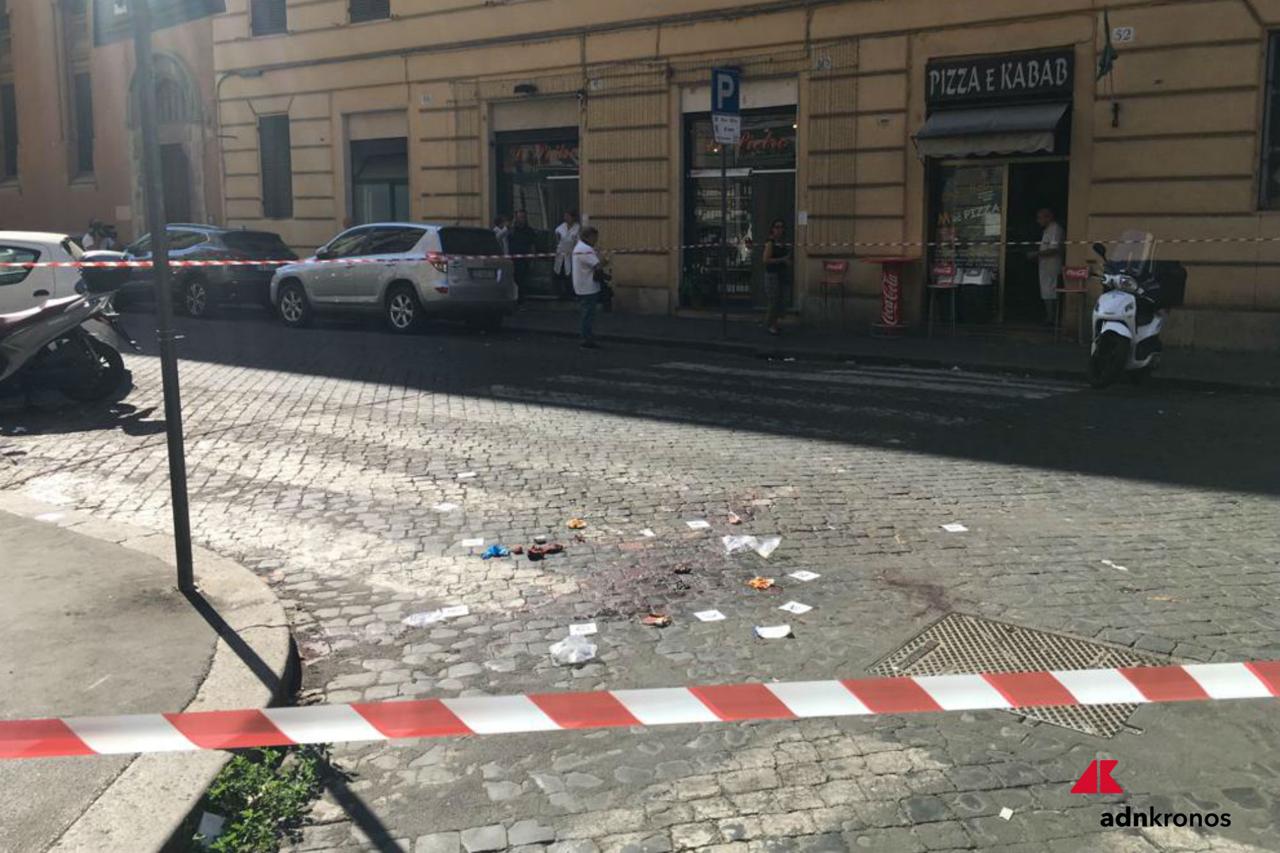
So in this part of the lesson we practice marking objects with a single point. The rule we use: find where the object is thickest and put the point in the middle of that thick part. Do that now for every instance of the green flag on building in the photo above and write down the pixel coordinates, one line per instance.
(1107, 60)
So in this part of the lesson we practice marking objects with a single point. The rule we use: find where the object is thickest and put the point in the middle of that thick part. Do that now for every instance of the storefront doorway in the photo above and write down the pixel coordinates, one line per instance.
(1032, 185)
(984, 228)
(997, 143)
(538, 172)
(761, 188)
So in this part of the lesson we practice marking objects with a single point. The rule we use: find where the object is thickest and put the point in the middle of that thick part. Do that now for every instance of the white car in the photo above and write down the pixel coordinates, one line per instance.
(21, 288)
(404, 271)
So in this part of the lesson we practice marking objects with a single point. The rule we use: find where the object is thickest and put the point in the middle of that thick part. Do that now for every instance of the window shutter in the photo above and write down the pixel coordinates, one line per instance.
(83, 94)
(269, 17)
(9, 131)
(277, 167)
(369, 10)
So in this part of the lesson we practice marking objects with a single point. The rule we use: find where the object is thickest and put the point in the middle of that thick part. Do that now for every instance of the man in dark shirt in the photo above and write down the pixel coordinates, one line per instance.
(522, 240)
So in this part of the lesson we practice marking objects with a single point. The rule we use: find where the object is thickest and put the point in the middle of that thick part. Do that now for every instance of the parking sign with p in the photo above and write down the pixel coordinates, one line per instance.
(726, 105)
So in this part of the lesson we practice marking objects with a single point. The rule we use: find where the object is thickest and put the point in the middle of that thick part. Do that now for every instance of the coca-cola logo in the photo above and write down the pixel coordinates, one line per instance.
(891, 298)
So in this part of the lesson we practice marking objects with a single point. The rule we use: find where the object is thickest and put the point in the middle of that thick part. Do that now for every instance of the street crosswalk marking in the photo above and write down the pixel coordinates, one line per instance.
(645, 385)
(900, 378)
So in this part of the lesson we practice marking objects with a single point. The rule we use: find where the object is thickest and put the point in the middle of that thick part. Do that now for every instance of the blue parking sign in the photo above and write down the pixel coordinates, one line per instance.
(726, 105)
(726, 91)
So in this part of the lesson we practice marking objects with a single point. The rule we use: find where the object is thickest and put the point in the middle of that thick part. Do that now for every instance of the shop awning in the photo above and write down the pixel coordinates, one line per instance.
(1025, 129)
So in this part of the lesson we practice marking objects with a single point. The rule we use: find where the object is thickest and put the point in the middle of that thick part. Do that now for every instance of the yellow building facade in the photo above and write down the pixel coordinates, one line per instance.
(70, 148)
(459, 111)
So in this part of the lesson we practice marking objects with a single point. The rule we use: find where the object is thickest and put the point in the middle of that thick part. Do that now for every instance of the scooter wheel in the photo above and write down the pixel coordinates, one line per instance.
(1108, 361)
(101, 377)
(1141, 375)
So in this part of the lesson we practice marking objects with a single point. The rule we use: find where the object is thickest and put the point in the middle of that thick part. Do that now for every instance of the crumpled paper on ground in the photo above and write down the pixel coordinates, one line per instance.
(573, 650)
(762, 546)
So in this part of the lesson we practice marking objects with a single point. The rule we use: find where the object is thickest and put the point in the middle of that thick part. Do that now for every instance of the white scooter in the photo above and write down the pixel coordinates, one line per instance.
(1131, 313)
(69, 344)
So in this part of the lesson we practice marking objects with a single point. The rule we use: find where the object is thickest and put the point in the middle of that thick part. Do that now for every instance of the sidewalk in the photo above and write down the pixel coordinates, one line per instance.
(1196, 369)
(92, 626)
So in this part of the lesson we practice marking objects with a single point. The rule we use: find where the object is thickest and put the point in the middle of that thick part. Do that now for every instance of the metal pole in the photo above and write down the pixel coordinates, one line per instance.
(724, 241)
(153, 199)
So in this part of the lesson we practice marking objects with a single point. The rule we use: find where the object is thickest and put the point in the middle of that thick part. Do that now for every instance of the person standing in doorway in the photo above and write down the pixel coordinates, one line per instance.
(777, 273)
(567, 234)
(1050, 257)
(585, 263)
(502, 231)
(522, 241)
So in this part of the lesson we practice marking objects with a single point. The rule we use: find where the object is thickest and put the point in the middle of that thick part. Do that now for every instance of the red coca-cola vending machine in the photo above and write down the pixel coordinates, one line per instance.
(892, 321)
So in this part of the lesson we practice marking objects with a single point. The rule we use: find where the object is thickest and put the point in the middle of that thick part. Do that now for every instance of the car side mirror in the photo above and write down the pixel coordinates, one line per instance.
(323, 254)
(1101, 250)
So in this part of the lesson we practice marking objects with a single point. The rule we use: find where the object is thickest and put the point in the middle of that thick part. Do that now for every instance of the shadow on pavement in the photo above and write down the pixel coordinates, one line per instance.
(1127, 431)
(260, 668)
(335, 780)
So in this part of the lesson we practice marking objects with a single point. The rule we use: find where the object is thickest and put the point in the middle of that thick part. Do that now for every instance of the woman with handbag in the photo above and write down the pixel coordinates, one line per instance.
(777, 273)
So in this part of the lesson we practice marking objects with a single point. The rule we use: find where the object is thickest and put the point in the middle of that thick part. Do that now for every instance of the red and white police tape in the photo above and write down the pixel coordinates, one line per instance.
(438, 257)
(539, 712)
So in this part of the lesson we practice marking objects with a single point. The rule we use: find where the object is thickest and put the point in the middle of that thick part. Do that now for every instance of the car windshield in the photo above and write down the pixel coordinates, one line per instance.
(73, 249)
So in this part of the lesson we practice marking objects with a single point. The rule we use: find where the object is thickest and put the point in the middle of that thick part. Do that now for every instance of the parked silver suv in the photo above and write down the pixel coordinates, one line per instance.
(403, 270)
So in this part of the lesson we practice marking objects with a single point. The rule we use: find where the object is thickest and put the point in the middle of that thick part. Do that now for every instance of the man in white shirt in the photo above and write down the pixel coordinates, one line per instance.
(567, 234)
(92, 236)
(1051, 260)
(585, 262)
(502, 231)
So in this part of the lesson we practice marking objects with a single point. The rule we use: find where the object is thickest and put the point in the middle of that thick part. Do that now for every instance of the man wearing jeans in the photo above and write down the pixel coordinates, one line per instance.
(585, 286)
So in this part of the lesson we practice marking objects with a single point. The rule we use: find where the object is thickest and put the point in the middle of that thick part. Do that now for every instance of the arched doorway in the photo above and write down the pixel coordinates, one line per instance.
(180, 118)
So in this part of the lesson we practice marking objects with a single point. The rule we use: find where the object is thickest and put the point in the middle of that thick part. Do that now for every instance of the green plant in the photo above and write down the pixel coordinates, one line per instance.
(264, 795)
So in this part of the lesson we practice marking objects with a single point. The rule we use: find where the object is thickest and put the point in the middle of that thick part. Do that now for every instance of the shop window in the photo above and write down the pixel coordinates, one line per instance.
(276, 158)
(82, 122)
(1269, 169)
(268, 17)
(761, 188)
(537, 173)
(369, 10)
(380, 180)
(8, 132)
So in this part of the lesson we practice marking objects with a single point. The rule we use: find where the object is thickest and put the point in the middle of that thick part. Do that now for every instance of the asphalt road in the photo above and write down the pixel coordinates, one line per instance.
(324, 458)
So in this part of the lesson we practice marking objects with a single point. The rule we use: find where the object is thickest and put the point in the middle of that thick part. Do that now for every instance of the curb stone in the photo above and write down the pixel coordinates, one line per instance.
(167, 788)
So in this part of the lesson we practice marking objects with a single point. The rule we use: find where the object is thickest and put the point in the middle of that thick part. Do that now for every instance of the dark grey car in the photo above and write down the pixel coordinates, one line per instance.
(198, 291)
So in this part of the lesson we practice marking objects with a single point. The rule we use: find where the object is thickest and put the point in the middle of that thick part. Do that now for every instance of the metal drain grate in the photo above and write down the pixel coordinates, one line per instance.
(959, 643)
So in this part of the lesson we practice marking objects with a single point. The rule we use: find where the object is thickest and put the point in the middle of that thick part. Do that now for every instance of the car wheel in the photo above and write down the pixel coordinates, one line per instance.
(403, 310)
(294, 309)
(196, 298)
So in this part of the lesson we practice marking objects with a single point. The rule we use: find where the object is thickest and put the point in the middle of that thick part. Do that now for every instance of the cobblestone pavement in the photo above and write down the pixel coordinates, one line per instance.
(327, 460)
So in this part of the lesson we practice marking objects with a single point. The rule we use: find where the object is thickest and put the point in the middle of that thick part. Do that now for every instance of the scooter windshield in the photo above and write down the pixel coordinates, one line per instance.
(1134, 251)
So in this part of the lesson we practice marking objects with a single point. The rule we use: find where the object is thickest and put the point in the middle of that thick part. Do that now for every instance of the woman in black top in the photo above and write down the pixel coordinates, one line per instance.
(777, 272)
